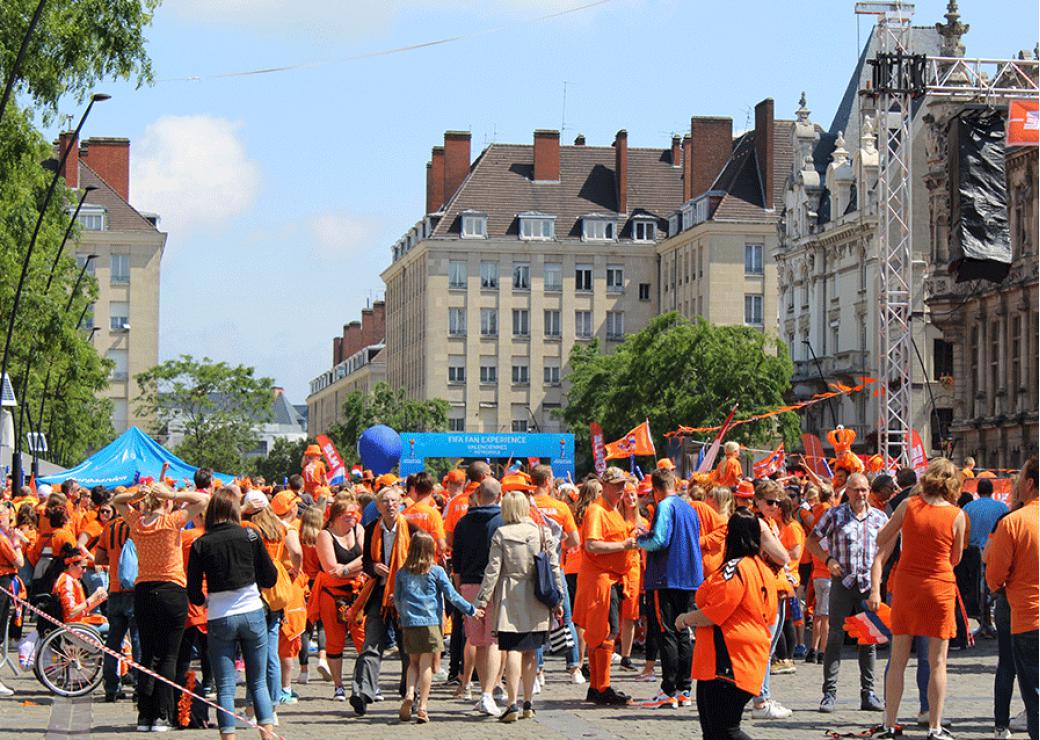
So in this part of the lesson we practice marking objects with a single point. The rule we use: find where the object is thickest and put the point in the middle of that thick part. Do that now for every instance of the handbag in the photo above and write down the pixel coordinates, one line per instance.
(545, 587)
(560, 639)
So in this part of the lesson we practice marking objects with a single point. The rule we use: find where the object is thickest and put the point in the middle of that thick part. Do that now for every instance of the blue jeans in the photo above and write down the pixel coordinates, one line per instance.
(573, 659)
(120, 621)
(1024, 646)
(248, 631)
(274, 664)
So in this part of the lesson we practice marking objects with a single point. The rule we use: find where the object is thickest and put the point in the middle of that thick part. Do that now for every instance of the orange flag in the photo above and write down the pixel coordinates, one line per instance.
(636, 442)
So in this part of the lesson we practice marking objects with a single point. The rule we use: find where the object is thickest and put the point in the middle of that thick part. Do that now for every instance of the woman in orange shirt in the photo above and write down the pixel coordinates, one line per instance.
(713, 544)
(160, 594)
(11, 561)
(924, 593)
(55, 531)
(634, 578)
(311, 522)
(736, 608)
(76, 606)
(792, 536)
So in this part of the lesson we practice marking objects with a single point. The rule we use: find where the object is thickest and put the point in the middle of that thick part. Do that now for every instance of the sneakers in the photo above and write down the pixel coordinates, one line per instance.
(528, 712)
(512, 714)
(303, 678)
(592, 695)
(537, 687)
(810, 656)
(1018, 722)
(615, 658)
(869, 702)
(627, 664)
(661, 700)
(5, 691)
(684, 699)
(499, 693)
(1001, 733)
(922, 719)
(288, 698)
(609, 697)
(771, 710)
(323, 670)
(647, 676)
(464, 692)
(576, 677)
(379, 695)
(161, 725)
(827, 704)
(339, 694)
(800, 651)
(941, 734)
(441, 675)
(358, 704)
(782, 667)
(884, 733)
(487, 706)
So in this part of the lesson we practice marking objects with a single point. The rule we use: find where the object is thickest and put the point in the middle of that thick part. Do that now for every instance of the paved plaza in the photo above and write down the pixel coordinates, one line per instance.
(561, 714)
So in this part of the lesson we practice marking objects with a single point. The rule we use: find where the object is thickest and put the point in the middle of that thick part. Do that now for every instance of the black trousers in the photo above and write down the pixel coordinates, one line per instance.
(194, 641)
(161, 609)
(674, 646)
(720, 705)
(458, 642)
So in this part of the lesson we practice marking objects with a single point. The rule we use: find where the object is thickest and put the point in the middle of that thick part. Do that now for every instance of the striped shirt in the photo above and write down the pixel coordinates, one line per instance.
(852, 541)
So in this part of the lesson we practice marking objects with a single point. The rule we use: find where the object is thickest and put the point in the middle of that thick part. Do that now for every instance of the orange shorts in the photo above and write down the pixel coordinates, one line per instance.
(289, 648)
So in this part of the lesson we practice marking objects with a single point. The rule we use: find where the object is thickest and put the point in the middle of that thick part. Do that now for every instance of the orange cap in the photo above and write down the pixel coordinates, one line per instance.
(386, 479)
(283, 501)
(665, 464)
(454, 476)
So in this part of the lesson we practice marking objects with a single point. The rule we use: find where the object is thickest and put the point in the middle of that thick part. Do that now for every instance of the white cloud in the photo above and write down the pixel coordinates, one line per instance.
(193, 171)
(341, 235)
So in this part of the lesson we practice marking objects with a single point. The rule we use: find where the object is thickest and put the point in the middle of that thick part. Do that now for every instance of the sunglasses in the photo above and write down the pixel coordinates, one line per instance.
(771, 501)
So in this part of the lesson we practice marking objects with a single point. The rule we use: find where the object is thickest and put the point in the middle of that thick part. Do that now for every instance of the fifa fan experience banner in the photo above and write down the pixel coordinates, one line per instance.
(416, 447)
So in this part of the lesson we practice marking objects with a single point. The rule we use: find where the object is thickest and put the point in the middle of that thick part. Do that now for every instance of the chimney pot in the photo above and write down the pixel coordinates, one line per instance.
(546, 156)
(579, 140)
(621, 169)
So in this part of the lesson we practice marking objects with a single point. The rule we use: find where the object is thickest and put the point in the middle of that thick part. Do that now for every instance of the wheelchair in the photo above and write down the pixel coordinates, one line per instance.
(65, 663)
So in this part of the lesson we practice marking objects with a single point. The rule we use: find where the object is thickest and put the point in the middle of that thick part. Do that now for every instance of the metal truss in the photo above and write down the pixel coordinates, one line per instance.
(983, 79)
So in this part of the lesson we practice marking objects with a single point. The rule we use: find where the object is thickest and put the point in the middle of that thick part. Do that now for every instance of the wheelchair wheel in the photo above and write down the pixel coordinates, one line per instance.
(67, 665)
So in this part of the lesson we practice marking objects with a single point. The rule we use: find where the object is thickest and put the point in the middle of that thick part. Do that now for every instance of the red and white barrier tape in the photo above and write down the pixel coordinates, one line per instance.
(122, 658)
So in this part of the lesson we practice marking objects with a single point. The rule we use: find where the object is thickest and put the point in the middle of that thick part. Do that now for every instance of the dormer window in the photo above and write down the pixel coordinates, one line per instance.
(537, 226)
(644, 231)
(91, 218)
(598, 229)
(474, 225)
(673, 224)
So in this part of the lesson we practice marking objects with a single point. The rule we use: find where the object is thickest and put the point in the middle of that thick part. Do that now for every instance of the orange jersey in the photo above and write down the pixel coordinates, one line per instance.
(196, 614)
(457, 507)
(729, 472)
(1011, 562)
(70, 593)
(709, 518)
(604, 522)
(426, 518)
(790, 535)
(558, 511)
(713, 549)
(742, 603)
(314, 475)
(8, 556)
(55, 540)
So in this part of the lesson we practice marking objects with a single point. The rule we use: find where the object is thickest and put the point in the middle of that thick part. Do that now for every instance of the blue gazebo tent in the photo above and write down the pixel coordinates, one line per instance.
(131, 456)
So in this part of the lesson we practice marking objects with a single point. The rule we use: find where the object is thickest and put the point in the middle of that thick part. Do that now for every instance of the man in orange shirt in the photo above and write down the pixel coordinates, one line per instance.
(1011, 558)
(968, 471)
(559, 512)
(423, 512)
(314, 473)
(604, 564)
(458, 495)
(729, 472)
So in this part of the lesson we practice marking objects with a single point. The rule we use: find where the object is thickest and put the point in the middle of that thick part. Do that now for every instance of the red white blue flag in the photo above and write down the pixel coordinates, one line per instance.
(771, 464)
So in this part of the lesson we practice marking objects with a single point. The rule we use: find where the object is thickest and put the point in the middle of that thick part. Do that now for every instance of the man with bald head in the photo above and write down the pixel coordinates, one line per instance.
(845, 538)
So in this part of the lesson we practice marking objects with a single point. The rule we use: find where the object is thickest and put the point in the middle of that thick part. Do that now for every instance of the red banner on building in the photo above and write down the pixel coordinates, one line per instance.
(337, 470)
(1023, 123)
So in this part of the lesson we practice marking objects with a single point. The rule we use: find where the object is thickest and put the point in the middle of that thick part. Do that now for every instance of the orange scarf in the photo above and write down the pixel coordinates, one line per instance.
(397, 557)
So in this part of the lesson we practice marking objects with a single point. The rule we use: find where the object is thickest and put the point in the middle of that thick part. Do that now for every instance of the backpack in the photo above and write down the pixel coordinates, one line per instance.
(127, 571)
(278, 596)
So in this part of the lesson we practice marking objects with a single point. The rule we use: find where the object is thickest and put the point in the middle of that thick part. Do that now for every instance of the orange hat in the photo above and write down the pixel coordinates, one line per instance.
(745, 489)
(665, 464)
(283, 502)
(455, 476)
(386, 479)
(517, 482)
(645, 487)
(368, 475)
(312, 451)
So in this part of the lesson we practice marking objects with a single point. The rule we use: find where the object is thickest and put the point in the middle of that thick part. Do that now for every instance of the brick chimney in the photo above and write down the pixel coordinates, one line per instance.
(337, 350)
(373, 324)
(110, 159)
(687, 169)
(456, 161)
(764, 148)
(435, 180)
(351, 339)
(711, 145)
(70, 171)
(676, 151)
(621, 169)
(546, 156)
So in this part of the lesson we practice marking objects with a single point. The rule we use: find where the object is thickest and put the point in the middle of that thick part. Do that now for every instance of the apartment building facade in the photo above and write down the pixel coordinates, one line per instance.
(128, 248)
(523, 255)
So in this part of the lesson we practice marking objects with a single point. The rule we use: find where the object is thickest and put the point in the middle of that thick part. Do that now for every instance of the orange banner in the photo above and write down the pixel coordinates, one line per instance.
(1023, 123)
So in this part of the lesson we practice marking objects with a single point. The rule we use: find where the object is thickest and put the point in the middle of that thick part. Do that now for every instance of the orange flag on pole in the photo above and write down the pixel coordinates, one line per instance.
(636, 442)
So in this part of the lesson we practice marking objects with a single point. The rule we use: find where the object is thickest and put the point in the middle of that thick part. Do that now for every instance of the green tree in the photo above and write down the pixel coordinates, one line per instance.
(385, 405)
(217, 405)
(282, 460)
(677, 372)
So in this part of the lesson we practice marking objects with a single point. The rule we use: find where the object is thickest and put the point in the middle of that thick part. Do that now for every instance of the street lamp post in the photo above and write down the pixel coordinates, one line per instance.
(95, 98)
(9, 86)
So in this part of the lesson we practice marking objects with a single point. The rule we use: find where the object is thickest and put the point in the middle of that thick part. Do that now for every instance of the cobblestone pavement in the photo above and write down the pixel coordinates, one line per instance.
(34, 713)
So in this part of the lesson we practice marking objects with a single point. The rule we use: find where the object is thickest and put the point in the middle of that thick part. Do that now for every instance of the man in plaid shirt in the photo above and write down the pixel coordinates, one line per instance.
(846, 539)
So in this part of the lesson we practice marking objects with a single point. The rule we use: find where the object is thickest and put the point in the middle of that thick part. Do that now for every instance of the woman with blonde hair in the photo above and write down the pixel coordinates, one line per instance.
(924, 592)
(521, 620)
(160, 594)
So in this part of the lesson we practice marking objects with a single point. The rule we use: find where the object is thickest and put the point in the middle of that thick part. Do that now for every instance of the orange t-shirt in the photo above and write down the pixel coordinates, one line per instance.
(311, 564)
(113, 537)
(713, 549)
(741, 600)
(805, 518)
(709, 518)
(426, 518)
(314, 475)
(790, 535)
(558, 511)
(197, 615)
(819, 567)
(158, 544)
(729, 472)
(70, 593)
(455, 510)
(55, 539)
(7, 557)
(572, 561)
(1012, 562)
(604, 522)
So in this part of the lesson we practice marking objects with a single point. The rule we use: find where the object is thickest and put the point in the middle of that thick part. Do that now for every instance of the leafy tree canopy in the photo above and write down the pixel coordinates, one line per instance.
(678, 372)
(217, 407)
(285, 458)
(384, 405)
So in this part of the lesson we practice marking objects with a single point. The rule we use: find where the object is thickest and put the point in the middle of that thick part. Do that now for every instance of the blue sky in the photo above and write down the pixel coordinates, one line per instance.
(282, 193)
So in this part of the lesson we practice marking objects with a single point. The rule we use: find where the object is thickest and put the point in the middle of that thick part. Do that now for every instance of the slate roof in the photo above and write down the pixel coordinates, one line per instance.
(500, 183)
(121, 215)
(740, 179)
